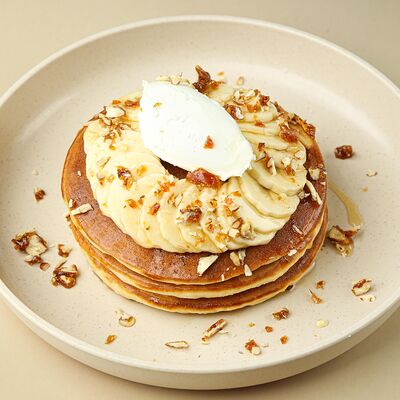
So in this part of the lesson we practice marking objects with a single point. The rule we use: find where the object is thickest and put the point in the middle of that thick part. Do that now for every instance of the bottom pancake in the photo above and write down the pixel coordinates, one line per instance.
(216, 304)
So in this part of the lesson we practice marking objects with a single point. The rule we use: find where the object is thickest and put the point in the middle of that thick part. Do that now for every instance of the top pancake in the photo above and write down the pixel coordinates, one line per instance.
(164, 266)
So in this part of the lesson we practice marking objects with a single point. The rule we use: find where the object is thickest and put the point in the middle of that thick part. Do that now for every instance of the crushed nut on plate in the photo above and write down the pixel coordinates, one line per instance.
(371, 173)
(125, 319)
(65, 276)
(39, 194)
(369, 298)
(361, 287)
(252, 347)
(320, 284)
(342, 240)
(110, 339)
(30, 243)
(343, 152)
(63, 250)
(213, 329)
(247, 270)
(315, 298)
(281, 314)
(284, 339)
(179, 344)
(269, 329)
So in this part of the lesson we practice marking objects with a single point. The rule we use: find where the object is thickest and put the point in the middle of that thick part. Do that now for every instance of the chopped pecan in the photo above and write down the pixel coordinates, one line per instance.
(30, 243)
(234, 111)
(63, 250)
(213, 329)
(153, 210)
(125, 175)
(39, 194)
(204, 82)
(65, 276)
(192, 212)
(342, 240)
(361, 287)
(281, 314)
(343, 152)
(315, 298)
(253, 347)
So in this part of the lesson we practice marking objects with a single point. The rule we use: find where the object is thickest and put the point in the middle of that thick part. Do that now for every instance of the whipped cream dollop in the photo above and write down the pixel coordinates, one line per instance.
(189, 130)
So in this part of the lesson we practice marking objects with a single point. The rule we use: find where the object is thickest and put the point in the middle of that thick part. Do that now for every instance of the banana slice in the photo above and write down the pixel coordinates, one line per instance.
(265, 201)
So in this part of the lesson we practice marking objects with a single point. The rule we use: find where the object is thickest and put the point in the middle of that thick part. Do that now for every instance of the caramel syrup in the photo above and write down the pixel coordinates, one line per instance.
(353, 213)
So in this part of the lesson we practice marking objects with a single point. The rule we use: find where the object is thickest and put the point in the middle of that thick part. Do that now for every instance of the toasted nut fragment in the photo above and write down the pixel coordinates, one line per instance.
(204, 81)
(343, 152)
(125, 319)
(82, 209)
(205, 263)
(253, 347)
(371, 173)
(369, 298)
(247, 270)
(284, 339)
(125, 176)
(315, 298)
(153, 210)
(44, 266)
(282, 314)
(314, 173)
(233, 255)
(63, 250)
(110, 339)
(234, 111)
(313, 192)
(39, 194)
(269, 329)
(320, 285)
(32, 260)
(213, 329)
(322, 323)
(180, 344)
(292, 252)
(71, 203)
(361, 287)
(65, 276)
(30, 243)
(342, 240)
(114, 112)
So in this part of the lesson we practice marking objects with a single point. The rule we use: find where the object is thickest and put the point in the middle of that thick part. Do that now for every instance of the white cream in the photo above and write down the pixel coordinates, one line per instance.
(175, 121)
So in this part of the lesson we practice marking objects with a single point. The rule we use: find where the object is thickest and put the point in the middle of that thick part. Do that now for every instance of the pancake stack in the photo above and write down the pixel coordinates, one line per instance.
(154, 269)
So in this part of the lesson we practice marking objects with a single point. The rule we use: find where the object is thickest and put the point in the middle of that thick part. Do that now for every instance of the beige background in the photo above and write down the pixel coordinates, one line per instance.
(30, 31)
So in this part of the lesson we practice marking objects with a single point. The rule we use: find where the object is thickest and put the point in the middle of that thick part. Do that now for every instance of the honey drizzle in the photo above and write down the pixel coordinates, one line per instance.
(353, 213)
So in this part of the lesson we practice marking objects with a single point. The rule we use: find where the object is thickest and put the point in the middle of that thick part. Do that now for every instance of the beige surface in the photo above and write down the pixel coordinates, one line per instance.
(28, 366)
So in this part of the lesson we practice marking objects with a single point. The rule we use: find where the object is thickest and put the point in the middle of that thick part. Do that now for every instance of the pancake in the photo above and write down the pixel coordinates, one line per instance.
(211, 305)
(261, 276)
(181, 268)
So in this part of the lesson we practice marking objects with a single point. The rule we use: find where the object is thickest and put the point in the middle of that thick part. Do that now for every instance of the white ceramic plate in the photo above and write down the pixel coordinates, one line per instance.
(349, 102)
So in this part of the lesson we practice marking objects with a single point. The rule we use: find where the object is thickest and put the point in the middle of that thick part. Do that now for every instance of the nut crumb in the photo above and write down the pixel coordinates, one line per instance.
(371, 173)
(125, 319)
(315, 298)
(342, 240)
(284, 339)
(65, 276)
(30, 243)
(269, 329)
(314, 173)
(292, 252)
(63, 250)
(368, 298)
(281, 314)
(361, 287)
(205, 263)
(39, 194)
(343, 152)
(82, 209)
(320, 285)
(209, 143)
(213, 329)
(253, 347)
(180, 344)
(247, 270)
(110, 339)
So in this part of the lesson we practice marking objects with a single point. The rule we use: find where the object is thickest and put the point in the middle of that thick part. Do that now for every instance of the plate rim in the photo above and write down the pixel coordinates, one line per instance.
(23, 310)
